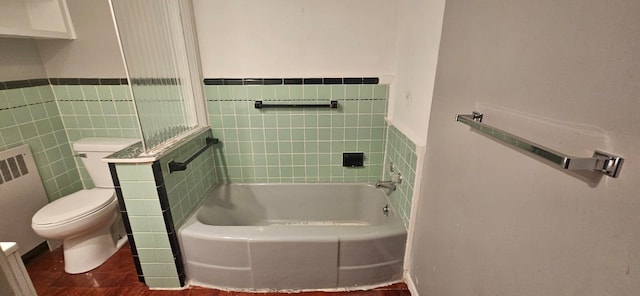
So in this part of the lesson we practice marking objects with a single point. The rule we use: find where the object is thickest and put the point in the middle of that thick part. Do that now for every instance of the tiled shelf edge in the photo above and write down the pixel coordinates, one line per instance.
(135, 154)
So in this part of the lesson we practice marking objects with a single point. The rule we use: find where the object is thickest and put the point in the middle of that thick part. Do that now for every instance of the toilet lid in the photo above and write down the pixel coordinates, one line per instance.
(73, 206)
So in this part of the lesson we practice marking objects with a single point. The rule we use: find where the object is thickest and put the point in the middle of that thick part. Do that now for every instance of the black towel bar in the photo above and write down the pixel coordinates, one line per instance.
(331, 105)
(181, 166)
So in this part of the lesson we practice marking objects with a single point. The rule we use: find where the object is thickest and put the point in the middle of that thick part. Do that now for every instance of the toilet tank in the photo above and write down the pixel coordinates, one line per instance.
(93, 150)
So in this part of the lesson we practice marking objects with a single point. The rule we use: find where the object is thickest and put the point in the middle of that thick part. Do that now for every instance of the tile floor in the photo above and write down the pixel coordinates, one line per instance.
(117, 277)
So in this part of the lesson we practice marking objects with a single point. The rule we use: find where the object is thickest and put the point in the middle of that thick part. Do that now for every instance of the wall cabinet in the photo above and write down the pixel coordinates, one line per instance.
(35, 19)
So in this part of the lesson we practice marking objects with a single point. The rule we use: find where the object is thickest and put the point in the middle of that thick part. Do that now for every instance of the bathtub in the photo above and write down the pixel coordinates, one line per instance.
(294, 237)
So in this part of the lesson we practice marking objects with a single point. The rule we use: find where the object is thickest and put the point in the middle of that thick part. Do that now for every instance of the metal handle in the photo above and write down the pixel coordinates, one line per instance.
(331, 105)
(83, 155)
(175, 166)
(603, 162)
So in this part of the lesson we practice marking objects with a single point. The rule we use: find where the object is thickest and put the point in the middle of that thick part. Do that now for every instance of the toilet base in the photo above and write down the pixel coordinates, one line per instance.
(86, 252)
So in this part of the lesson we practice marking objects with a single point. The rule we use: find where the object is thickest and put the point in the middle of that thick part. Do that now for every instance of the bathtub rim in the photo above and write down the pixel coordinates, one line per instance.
(190, 283)
(195, 228)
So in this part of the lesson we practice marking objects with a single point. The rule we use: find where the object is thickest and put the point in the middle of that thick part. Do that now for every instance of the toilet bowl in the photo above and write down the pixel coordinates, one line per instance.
(83, 220)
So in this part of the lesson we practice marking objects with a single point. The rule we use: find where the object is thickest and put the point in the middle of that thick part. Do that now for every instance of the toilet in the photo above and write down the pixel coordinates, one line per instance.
(83, 220)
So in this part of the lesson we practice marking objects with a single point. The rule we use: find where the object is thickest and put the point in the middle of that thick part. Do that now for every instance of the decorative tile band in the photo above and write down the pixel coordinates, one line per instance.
(27, 105)
(88, 81)
(22, 83)
(278, 81)
(94, 100)
(61, 81)
(171, 81)
(156, 81)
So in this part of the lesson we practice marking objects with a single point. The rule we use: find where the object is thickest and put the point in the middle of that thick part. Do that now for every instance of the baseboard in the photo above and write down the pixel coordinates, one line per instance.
(54, 244)
(39, 249)
(410, 284)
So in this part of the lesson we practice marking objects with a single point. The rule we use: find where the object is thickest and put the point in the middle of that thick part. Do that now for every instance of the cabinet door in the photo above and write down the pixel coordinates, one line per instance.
(35, 19)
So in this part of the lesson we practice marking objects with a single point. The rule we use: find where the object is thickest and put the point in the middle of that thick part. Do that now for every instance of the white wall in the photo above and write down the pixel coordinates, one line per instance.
(296, 38)
(418, 41)
(495, 221)
(19, 59)
(276, 38)
(95, 52)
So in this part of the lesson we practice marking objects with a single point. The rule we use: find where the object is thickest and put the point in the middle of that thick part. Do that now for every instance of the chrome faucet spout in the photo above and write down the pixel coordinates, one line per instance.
(386, 184)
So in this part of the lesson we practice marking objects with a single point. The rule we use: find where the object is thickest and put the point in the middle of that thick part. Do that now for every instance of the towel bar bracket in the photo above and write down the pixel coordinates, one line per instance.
(608, 164)
(477, 116)
(175, 166)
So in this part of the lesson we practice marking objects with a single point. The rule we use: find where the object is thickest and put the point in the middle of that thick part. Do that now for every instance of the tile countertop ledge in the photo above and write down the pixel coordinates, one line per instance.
(8, 247)
(135, 153)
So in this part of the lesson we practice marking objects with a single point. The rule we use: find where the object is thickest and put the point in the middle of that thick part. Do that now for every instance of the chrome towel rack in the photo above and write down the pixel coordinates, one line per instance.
(603, 162)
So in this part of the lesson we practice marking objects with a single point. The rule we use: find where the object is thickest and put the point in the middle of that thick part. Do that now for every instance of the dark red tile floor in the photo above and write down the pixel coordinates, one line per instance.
(117, 277)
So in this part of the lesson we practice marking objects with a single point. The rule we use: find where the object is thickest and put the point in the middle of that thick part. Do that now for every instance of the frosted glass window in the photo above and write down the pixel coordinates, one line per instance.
(158, 43)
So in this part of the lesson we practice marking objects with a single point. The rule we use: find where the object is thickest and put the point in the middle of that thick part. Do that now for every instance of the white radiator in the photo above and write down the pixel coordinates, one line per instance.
(21, 196)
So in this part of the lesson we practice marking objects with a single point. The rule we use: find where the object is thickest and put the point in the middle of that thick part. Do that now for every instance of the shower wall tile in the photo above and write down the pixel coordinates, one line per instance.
(95, 111)
(163, 282)
(145, 223)
(297, 145)
(402, 152)
(187, 189)
(87, 114)
(29, 115)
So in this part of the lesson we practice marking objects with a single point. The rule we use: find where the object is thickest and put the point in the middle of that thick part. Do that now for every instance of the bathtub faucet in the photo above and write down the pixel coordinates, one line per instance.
(391, 185)
(386, 184)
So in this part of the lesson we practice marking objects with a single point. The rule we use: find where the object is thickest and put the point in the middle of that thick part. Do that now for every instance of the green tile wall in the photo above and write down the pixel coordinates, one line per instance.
(96, 111)
(147, 224)
(30, 116)
(402, 152)
(187, 189)
(297, 145)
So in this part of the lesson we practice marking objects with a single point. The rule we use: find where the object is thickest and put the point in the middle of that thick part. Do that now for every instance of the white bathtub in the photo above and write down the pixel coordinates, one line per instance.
(294, 237)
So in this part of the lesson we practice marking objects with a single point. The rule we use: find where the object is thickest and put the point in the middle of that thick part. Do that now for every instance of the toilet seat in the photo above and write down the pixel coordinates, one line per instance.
(73, 207)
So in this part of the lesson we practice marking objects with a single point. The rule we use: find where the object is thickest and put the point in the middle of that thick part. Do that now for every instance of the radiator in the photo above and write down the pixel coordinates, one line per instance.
(21, 196)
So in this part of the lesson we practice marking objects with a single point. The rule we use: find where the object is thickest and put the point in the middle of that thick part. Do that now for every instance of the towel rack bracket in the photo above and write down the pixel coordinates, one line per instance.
(477, 116)
(608, 164)
(175, 166)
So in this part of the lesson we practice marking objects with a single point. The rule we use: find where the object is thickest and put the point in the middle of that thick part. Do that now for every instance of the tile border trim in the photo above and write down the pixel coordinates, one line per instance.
(88, 81)
(291, 81)
(168, 221)
(126, 222)
(23, 83)
(13, 84)
(28, 105)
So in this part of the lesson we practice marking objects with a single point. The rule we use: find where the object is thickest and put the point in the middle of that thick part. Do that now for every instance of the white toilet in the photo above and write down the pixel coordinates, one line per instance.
(82, 220)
